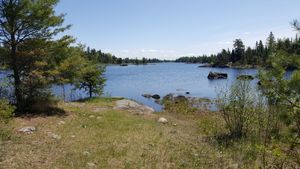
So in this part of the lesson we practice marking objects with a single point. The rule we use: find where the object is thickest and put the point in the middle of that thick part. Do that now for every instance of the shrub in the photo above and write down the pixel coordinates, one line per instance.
(6, 111)
(237, 107)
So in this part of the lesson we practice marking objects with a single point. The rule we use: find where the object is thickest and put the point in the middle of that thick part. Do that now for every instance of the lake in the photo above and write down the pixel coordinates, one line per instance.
(162, 78)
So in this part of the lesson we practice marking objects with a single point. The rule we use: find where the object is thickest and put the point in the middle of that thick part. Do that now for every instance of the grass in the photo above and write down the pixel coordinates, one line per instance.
(91, 134)
(96, 136)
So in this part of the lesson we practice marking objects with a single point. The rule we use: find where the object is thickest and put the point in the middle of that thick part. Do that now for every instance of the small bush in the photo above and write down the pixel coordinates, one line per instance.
(244, 110)
(6, 111)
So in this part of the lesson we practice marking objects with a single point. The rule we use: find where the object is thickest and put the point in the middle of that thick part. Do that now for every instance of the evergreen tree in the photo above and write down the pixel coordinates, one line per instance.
(239, 50)
(91, 78)
(24, 23)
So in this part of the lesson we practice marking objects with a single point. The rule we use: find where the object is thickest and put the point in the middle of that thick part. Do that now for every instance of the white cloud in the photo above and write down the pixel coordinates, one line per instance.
(125, 51)
(149, 50)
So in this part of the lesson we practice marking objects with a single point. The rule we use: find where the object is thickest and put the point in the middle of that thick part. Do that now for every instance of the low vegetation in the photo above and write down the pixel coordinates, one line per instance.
(92, 135)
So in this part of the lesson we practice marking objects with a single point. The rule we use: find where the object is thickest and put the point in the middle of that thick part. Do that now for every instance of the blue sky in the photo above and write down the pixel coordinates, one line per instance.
(168, 29)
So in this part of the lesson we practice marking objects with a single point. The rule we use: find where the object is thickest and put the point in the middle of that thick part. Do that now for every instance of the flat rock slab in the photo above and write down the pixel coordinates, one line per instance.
(133, 106)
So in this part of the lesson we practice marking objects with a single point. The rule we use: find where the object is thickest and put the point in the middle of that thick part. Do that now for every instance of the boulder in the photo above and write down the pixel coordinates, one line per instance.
(148, 96)
(217, 75)
(156, 96)
(27, 130)
(133, 106)
(162, 120)
(245, 77)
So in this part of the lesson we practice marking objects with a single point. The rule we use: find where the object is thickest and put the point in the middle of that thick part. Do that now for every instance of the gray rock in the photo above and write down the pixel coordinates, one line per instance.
(133, 106)
(162, 120)
(156, 96)
(27, 130)
(86, 153)
(148, 96)
(61, 123)
(217, 75)
(55, 136)
(91, 165)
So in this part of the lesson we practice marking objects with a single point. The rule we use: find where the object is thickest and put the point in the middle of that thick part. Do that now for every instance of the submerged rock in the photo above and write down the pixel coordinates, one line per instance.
(217, 75)
(148, 96)
(245, 77)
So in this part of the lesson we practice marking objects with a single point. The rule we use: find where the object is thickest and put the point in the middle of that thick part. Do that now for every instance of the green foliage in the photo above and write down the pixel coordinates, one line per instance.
(257, 56)
(237, 107)
(283, 93)
(27, 28)
(91, 78)
(246, 114)
(6, 111)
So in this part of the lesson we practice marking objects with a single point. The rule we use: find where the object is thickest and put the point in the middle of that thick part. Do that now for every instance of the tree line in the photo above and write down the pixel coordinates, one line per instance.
(107, 58)
(242, 56)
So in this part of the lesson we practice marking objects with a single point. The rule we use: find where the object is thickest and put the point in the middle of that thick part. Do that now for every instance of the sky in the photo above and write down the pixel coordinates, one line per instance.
(168, 29)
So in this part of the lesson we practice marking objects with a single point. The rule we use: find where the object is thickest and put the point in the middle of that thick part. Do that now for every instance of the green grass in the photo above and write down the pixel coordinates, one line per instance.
(95, 134)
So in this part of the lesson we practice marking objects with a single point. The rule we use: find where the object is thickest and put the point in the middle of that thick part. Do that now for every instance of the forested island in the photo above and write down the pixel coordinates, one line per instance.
(247, 57)
(252, 126)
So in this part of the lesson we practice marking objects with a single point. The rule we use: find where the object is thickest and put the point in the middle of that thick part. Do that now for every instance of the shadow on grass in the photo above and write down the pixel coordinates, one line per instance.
(224, 140)
(47, 112)
(103, 99)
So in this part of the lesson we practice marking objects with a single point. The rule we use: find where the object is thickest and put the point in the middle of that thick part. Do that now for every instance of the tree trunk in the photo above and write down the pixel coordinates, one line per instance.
(90, 91)
(17, 80)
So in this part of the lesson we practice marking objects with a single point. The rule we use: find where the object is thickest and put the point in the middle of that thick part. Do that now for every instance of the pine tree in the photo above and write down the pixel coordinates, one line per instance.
(22, 23)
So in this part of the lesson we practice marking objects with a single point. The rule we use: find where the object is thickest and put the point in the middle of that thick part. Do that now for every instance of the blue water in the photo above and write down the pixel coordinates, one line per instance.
(163, 78)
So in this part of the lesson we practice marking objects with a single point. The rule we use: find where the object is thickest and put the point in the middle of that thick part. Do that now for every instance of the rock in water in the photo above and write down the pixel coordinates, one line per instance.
(148, 96)
(163, 120)
(27, 130)
(156, 96)
(217, 75)
(245, 77)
